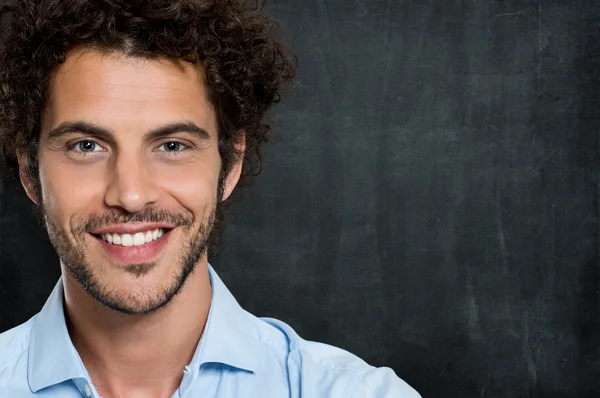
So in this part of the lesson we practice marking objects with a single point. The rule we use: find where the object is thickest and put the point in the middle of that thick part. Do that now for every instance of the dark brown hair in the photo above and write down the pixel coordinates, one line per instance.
(246, 66)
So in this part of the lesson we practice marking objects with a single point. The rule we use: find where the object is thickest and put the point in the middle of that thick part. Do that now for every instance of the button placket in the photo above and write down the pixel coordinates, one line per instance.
(88, 390)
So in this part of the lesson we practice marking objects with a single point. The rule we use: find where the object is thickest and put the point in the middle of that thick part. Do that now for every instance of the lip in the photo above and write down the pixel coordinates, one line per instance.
(131, 228)
(145, 253)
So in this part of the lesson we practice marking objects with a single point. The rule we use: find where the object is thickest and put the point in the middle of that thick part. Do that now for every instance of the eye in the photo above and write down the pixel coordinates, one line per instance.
(86, 146)
(172, 147)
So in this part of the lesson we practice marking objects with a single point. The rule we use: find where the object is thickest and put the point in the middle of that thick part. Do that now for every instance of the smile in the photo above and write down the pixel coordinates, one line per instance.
(134, 248)
(137, 239)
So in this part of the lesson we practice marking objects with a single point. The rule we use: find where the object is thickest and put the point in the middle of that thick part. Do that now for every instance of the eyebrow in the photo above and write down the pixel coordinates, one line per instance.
(80, 126)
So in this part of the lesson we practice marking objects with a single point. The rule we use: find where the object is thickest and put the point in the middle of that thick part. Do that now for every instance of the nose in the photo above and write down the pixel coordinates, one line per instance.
(131, 186)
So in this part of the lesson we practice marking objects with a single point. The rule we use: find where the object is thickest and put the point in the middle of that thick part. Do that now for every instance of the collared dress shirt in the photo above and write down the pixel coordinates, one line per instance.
(239, 355)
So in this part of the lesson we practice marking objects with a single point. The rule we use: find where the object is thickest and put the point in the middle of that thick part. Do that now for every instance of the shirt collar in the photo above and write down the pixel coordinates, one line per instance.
(52, 356)
(229, 338)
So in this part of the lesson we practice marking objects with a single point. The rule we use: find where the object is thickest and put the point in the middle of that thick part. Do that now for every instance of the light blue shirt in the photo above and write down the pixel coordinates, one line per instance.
(239, 355)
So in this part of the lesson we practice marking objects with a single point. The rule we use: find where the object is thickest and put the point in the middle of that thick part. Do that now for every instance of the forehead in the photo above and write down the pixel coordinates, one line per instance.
(119, 91)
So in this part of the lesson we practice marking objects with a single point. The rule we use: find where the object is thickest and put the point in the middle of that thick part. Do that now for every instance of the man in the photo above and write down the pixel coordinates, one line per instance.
(129, 124)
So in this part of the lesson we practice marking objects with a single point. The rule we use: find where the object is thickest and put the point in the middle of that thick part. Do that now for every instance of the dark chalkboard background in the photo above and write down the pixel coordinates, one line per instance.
(432, 201)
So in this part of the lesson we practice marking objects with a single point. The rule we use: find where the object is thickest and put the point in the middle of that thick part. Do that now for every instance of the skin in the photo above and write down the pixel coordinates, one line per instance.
(140, 345)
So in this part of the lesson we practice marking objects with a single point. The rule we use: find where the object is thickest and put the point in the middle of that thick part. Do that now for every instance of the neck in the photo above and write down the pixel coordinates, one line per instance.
(145, 355)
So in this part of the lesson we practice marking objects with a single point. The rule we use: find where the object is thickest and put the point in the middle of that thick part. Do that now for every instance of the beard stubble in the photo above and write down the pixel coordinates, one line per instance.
(74, 259)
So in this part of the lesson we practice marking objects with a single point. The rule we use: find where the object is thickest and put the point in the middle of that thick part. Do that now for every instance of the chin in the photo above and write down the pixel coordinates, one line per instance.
(136, 299)
(130, 289)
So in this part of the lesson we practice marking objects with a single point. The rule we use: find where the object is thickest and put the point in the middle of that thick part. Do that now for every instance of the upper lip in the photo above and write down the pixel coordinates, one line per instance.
(130, 228)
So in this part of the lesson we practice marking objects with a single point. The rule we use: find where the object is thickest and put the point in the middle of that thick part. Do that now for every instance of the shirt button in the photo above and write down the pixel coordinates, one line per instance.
(88, 390)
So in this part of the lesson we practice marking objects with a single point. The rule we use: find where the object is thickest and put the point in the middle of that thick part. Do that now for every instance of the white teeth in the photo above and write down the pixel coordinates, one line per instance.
(137, 239)
(126, 240)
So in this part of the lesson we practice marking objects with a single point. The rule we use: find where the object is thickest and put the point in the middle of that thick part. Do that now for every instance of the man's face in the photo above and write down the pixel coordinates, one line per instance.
(129, 172)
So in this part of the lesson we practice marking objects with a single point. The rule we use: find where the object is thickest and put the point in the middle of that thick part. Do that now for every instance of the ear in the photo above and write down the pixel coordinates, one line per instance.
(235, 171)
(25, 176)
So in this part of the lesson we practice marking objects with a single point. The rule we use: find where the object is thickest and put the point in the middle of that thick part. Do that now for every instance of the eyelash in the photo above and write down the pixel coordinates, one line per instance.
(184, 147)
(72, 147)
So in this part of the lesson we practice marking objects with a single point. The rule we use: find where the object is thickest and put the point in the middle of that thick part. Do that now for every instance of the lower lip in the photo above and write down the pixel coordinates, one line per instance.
(145, 253)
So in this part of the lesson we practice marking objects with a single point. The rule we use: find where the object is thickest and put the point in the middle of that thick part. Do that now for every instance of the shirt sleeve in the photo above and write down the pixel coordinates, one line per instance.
(383, 383)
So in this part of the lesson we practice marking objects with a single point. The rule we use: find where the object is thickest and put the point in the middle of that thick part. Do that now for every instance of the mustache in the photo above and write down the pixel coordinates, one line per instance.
(151, 215)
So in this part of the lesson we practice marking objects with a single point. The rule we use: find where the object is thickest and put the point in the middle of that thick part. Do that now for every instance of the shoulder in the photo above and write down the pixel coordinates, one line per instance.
(319, 369)
(14, 345)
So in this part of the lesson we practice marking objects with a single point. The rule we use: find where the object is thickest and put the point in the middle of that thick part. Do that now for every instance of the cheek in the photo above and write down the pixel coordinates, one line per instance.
(67, 190)
(193, 187)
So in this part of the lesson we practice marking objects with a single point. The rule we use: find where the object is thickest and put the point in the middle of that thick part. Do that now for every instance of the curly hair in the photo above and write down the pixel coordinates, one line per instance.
(246, 66)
